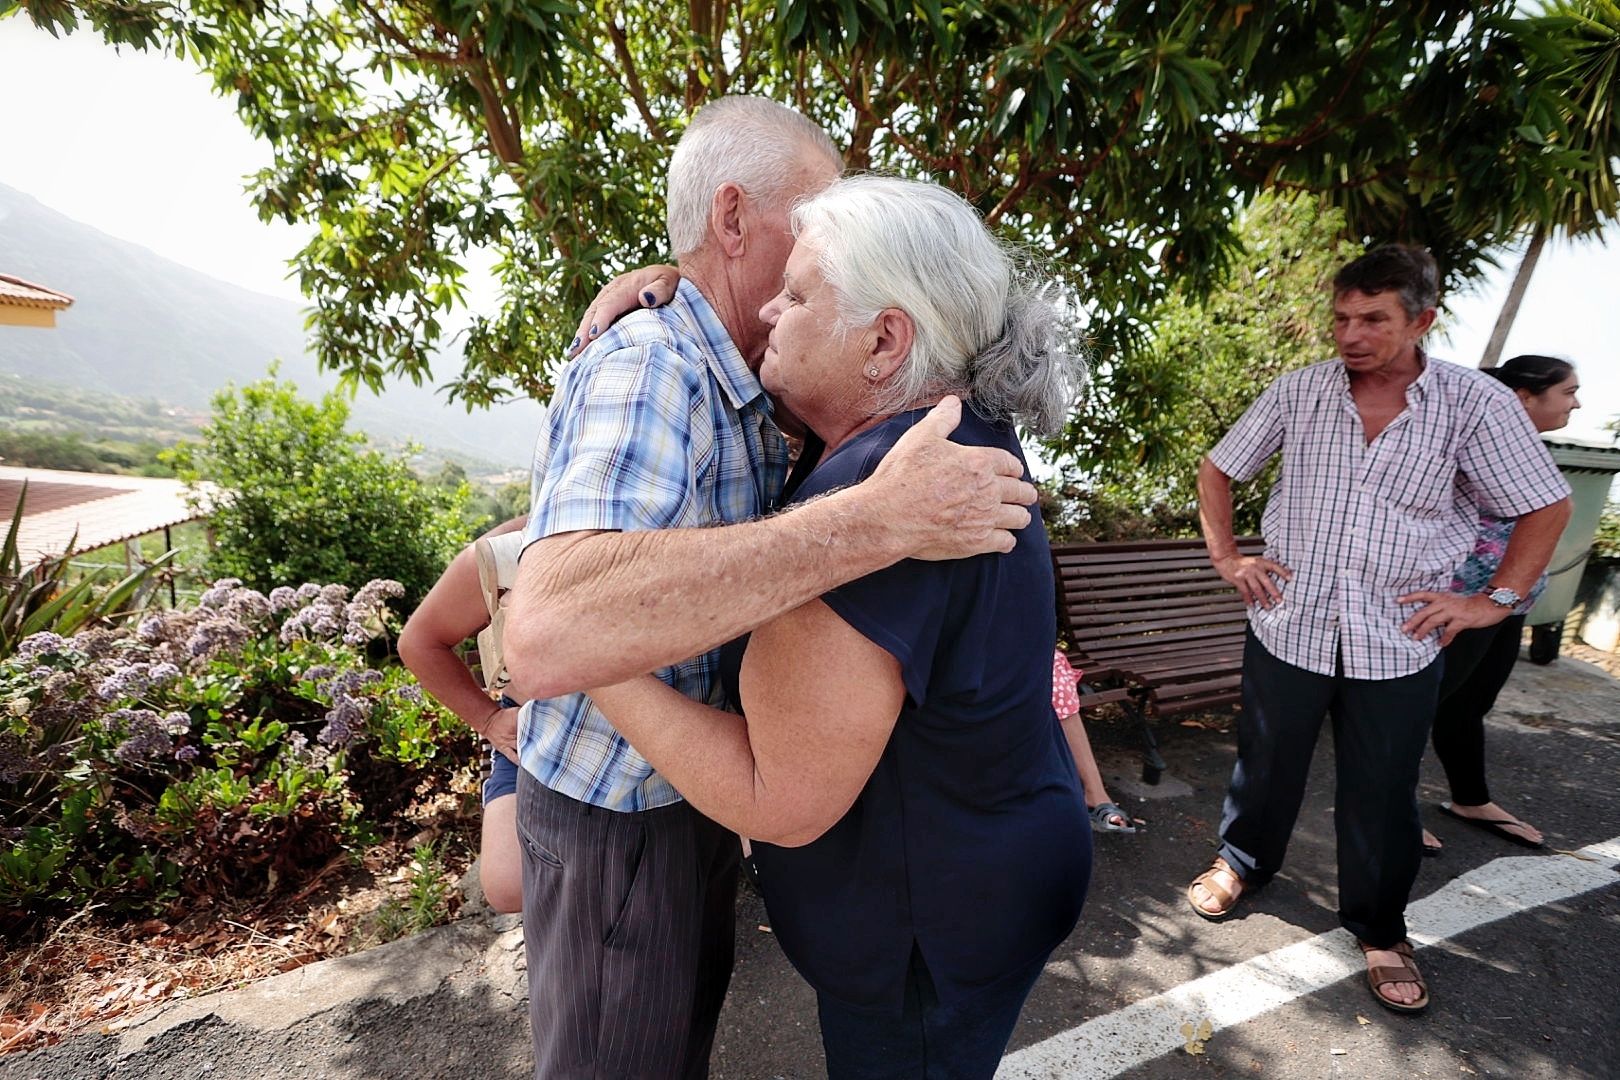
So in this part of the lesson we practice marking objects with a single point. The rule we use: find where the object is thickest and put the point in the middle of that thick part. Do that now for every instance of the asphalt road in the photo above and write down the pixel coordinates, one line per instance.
(1531, 989)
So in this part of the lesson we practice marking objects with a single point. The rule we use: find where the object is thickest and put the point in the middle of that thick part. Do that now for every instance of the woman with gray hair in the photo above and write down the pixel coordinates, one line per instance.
(921, 838)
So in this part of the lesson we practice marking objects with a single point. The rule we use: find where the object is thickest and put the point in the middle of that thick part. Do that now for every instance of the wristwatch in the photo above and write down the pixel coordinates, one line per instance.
(1504, 597)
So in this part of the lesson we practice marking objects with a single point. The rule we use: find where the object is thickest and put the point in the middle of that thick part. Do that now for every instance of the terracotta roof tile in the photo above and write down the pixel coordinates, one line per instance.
(19, 293)
(99, 508)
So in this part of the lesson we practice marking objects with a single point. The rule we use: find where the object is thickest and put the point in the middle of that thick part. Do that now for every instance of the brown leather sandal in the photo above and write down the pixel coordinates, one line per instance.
(1407, 972)
(1226, 900)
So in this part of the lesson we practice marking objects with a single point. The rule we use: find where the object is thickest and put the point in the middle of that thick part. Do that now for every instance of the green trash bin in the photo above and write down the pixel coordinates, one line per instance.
(1590, 469)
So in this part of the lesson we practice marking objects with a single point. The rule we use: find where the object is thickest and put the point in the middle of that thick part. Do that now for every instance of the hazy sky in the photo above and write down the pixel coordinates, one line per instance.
(138, 146)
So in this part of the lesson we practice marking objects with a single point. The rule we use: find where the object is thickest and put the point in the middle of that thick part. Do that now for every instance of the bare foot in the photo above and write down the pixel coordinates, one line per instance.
(1432, 842)
(1401, 993)
(1491, 812)
(1207, 901)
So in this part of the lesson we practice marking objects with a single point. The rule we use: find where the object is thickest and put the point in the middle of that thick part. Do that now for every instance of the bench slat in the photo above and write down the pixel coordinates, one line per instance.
(1154, 622)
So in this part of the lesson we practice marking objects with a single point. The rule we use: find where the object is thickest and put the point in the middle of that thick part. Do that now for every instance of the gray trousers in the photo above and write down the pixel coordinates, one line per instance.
(628, 926)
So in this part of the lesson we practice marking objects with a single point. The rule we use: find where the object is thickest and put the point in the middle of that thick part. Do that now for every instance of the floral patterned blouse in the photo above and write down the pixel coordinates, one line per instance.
(1065, 697)
(1489, 547)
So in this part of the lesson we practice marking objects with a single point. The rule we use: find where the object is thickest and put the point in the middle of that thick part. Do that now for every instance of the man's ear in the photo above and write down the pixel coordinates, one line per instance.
(895, 333)
(726, 222)
(1425, 321)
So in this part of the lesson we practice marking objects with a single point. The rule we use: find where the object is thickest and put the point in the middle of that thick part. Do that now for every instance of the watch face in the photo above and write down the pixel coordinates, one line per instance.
(1505, 597)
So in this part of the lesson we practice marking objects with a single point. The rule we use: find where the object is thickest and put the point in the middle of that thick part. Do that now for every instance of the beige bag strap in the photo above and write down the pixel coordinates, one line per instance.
(497, 572)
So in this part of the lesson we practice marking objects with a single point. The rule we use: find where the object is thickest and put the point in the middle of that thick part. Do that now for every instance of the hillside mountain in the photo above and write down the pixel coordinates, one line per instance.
(145, 326)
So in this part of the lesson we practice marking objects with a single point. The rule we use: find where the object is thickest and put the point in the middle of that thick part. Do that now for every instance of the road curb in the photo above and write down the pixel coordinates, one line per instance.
(482, 950)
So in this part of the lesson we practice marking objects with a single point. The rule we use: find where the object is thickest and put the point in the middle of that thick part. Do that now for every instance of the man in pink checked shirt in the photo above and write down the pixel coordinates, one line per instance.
(1387, 457)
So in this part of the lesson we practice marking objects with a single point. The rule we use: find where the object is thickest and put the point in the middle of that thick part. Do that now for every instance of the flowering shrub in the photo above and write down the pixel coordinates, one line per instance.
(234, 745)
(291, 494)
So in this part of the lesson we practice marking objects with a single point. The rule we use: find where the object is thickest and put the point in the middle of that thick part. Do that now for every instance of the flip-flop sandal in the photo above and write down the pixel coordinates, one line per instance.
(1407, 972)
(1431, 851)
(1494, 825)
(1102, 815)
(1226, 900)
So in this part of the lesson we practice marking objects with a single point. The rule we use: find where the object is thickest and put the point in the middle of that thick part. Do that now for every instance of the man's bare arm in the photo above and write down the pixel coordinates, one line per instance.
(1529, 550)
(1250, 575)
(603, 607)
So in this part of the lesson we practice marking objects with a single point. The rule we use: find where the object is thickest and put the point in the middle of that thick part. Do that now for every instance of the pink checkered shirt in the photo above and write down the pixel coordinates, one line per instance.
(1361, 523)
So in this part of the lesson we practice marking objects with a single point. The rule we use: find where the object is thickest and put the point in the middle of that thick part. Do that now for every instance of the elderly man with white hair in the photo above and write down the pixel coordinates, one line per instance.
(659, 432)
(921, 837)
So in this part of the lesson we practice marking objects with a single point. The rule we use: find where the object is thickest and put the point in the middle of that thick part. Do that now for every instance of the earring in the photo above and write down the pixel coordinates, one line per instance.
(871, 373)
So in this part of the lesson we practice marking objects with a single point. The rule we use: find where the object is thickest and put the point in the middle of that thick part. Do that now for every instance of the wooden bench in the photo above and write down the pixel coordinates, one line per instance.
(1153, 628)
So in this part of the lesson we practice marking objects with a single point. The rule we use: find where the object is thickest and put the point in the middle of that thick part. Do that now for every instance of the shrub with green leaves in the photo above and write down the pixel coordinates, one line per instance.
(293, 495)
(1606, 544)
(230, 747)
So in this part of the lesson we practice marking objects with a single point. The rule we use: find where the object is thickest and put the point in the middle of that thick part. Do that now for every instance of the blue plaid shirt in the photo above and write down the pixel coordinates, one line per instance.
(659, 424)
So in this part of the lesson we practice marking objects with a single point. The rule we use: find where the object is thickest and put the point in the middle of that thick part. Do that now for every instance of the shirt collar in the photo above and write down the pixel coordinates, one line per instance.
(1425, 380)
(726, 363)
(1417, 390)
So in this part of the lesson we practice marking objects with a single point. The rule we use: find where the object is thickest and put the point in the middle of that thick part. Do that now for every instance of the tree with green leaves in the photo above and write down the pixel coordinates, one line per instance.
(1117, 139)
(293, 496)
(1592, 127)
(1210, 355)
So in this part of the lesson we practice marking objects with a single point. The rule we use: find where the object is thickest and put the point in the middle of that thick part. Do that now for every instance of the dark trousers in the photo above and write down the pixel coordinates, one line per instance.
(628, 927)
(1478, 664)
(928, 1040)
(1380, 727)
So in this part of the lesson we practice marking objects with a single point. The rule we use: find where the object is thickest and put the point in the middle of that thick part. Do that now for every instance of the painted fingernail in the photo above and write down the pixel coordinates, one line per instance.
(649, 298)
(592, 332)
(572, 345)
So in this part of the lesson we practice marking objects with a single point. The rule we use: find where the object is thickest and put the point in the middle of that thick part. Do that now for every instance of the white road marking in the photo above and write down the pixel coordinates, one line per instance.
(1109, 1045)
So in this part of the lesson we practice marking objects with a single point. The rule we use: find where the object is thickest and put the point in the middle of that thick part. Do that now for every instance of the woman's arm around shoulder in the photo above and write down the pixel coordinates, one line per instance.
(822, 701)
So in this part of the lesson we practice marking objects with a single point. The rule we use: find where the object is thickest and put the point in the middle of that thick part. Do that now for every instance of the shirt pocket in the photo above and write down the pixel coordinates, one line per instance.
(1419, 484)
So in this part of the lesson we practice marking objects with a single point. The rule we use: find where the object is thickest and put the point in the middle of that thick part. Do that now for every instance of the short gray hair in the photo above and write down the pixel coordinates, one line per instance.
(753, 142)
(1407, 269)
(986, 327)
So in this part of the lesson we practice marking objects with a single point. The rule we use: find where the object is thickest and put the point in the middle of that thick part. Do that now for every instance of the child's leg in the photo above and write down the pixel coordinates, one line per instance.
(500, 864)
(1085, 764)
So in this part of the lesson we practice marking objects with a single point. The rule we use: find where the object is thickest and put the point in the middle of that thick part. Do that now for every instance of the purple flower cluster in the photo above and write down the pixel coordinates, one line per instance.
(13, 759)
(220, 592)
(363, 616)
(328, 613)
(349, 712)
(229, 619)
(146, 736)
(41, 644)
(162, 674)
(214, 636)
(247, 606)
(318, 621)
(345, 720)
(128, 681)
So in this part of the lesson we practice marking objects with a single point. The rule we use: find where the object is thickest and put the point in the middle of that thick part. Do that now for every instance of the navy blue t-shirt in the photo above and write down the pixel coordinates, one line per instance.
(970, 839)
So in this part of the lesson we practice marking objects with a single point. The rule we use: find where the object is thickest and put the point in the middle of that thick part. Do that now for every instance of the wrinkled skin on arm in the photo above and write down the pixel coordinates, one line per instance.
(602, 607)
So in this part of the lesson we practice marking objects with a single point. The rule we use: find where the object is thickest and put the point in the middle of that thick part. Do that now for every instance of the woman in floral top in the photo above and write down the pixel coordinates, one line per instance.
(1478, 661)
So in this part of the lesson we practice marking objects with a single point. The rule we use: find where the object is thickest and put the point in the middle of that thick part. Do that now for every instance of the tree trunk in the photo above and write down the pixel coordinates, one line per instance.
(1515, 296)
